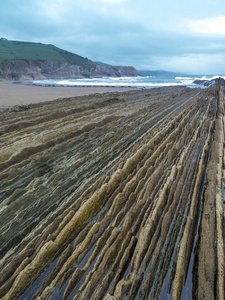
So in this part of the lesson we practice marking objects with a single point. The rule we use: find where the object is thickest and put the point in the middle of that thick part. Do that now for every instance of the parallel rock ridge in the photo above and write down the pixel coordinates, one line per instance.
(114, 196)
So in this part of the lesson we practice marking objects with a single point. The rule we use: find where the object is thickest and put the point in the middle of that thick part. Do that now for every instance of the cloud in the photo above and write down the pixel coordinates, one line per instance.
(112, 1)
(208, 26)
(193, 63)
(145, 34)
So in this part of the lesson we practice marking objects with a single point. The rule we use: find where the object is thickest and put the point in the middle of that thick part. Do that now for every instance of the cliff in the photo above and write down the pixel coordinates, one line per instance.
(28, 69)
(26, 60)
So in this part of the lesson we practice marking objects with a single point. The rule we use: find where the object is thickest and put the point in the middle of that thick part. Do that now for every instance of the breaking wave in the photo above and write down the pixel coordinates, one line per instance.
(139, 82)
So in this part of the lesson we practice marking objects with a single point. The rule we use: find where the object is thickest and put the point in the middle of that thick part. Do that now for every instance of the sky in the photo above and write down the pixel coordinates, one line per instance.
(180, 36)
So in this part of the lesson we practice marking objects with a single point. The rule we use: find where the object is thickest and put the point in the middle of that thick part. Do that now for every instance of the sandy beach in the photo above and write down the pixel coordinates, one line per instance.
(16, 94)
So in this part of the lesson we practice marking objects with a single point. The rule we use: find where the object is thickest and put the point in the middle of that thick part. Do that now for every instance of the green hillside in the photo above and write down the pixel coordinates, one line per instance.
(11, 50)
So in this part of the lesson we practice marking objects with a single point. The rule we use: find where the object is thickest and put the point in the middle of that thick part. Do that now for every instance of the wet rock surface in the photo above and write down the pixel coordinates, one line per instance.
(114, 196)
(213, 82)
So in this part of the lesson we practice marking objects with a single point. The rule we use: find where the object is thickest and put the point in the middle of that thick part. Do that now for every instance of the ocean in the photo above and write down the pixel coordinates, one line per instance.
(139, 82)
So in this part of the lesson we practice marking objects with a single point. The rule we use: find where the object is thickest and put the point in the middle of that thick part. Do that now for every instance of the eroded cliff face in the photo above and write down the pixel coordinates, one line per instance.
(27, 69)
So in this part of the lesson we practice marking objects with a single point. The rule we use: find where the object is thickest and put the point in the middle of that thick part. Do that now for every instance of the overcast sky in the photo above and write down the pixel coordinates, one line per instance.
(183, 36)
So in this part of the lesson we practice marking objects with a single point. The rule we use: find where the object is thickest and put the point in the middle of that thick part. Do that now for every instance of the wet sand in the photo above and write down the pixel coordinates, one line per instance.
(16, 94)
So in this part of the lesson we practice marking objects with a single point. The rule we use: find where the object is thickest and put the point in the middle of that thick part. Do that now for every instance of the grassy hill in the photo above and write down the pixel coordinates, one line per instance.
(11, 50)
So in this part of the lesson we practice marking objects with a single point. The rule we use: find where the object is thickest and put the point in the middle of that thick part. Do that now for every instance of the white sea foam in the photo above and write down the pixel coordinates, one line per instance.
(124, 84)
(141, 81)
(209, 77)
(214, 77)
(187, 81)
(139, 84)
(180, 78)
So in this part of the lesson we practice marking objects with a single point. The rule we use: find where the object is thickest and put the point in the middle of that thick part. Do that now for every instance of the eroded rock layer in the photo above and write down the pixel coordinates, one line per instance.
(114, 196)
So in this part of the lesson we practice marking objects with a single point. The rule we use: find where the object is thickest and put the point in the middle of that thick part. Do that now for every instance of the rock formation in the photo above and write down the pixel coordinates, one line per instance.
(29, 69)
(219, 81)
(114, 196)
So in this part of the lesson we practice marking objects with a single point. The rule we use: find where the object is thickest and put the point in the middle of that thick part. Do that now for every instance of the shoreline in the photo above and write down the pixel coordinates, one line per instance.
(25, 92)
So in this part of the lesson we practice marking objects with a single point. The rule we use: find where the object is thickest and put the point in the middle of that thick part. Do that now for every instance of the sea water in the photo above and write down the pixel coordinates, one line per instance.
(139, 82)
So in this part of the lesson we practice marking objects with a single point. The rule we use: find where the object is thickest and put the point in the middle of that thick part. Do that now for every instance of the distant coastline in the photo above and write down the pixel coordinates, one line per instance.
(26, 60)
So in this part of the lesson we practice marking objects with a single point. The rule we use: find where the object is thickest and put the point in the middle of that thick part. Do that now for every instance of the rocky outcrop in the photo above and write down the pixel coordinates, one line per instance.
(213, 82)
(114, 196)
(28, 69)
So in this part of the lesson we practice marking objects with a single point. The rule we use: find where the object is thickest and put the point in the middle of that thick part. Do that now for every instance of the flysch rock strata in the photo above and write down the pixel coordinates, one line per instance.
(114, 196)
